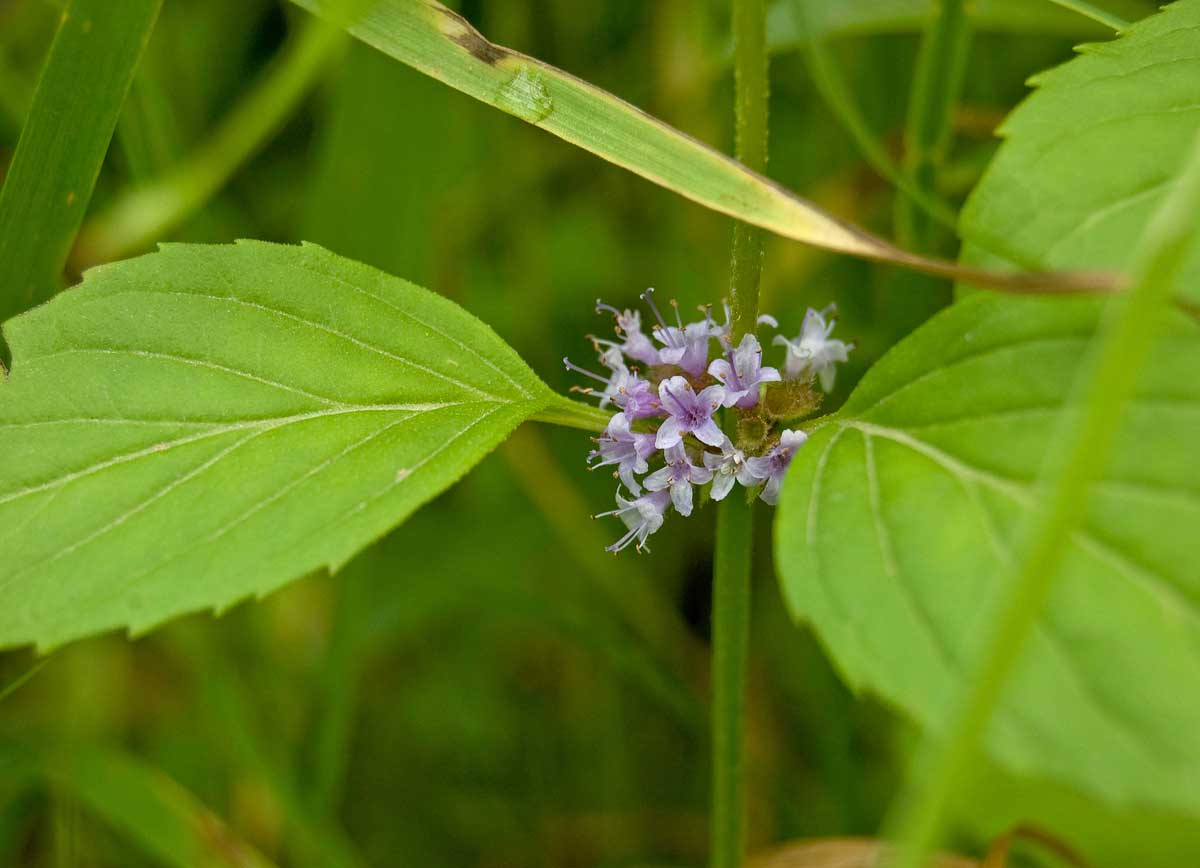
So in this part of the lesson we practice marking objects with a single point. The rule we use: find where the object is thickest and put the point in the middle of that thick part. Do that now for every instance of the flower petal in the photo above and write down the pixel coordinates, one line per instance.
(722, 485)
(669, 434)
(681, 496)
(710, 432)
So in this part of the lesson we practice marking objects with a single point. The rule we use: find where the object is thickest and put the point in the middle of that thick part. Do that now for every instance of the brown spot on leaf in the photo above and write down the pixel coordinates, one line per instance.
(402, 474)
(462, 33)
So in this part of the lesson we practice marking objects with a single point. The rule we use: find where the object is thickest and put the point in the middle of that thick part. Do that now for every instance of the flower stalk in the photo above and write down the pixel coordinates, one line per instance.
(735, 517)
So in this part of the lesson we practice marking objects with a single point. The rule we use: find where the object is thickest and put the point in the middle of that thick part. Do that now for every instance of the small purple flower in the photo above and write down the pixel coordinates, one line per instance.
(678, 476)
(728, 467)
(622, 387)
(813, 352)
(741, 372)
(625, 448)
(689, 413)
(684, 345)
(772, 466)
(629, 325)
(635, 396)
(642, 516)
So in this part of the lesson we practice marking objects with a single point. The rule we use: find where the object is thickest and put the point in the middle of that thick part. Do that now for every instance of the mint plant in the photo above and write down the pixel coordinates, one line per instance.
(676, 407)
(992, 530)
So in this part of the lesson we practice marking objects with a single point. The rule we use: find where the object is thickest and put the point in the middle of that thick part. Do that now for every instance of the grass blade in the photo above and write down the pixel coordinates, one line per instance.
(163, 818)
(75, 108)
(142, 215)
(429, 37)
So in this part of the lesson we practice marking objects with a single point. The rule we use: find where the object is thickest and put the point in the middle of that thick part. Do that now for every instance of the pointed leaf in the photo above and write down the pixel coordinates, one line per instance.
(898, 518)
(202, 424)
(1089, 156)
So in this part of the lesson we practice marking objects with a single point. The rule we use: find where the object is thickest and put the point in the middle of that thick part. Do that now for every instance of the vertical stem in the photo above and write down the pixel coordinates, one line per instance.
(735, 517)
(1122, 348)
(941, 65)
(750, 107)
(731, 642)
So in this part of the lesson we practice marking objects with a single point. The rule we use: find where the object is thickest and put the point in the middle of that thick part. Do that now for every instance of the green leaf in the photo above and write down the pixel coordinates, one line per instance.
(832, 18)
(201, 424)
(440, 43)
(898, 521)
(62, 145)
(1088, 157)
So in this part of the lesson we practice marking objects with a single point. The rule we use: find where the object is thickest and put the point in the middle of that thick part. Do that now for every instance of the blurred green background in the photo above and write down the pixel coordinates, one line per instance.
(487, 687)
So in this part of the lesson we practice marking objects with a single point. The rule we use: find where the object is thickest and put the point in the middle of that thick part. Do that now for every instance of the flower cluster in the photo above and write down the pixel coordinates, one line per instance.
(665, 437)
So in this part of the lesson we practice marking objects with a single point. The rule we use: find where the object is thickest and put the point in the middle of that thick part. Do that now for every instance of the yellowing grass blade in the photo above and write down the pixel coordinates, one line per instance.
(438, 42)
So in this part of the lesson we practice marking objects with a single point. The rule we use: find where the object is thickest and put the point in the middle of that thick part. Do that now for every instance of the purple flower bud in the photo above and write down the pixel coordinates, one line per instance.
(642, 517)
(625, 448)
(741, 372)
(689, 413)
(772, 466)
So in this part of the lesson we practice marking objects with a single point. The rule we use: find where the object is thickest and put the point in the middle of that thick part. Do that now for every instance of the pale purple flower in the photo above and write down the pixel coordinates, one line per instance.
(813, 352)
(771, 467)
(728, 467)
(625, 448)
(642, 516)
(689, 413)
(741, 372)
(684, 345)
(623, 387)
(636, 344)
(678, 476)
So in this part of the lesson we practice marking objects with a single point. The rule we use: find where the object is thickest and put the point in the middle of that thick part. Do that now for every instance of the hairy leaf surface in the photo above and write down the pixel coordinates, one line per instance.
(1088, 157)
(900, 516)
(202, 424)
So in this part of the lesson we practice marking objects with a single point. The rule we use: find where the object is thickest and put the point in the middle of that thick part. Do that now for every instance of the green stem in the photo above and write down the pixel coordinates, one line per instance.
(145, 214)
(735, 517)
(831, 85)
(750, 108)
(1122, 349)
(731, 642)
(941, 65)
(1087, 10)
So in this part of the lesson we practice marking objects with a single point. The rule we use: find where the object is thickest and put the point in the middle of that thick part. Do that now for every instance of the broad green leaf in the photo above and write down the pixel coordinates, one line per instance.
(834, 18)
(63, 142)
(898, 519)
(203, 424)
(1091, 153)
(440, 43)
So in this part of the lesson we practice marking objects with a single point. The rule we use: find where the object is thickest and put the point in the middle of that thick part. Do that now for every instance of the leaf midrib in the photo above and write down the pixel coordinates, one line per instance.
(266, 424)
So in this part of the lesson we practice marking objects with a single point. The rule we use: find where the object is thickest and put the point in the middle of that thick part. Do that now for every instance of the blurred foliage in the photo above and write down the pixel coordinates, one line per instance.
(478, 688)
